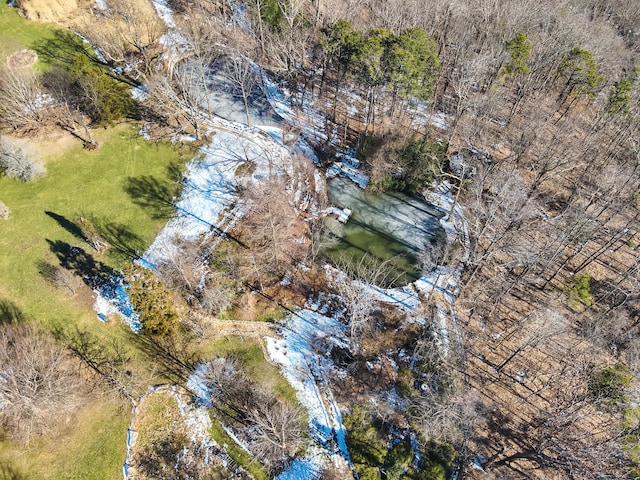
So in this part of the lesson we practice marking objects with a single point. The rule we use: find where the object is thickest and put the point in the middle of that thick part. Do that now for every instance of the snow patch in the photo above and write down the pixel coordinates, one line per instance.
(340, 168)
(164, 12)
(197, 384)
(307, 373)
(302, 469)
(139, 93)
(112, 298)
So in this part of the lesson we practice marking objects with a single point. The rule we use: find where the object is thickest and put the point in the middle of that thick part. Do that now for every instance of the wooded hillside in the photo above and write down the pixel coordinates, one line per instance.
(529, 111)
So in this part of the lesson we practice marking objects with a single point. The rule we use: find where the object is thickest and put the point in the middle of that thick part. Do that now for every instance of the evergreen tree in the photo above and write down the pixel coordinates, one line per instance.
(341, 43)
(101, 96)
(519, 50)
(620, 97)
(579, 71)
(411, 63)
(151, 301)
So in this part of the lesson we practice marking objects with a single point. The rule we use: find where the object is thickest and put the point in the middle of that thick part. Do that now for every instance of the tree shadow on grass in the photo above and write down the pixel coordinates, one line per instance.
(124, 243)
(10, 313)
(171, 355)
(153, 194)
(67, 224)
(62, 49)
(95, 274)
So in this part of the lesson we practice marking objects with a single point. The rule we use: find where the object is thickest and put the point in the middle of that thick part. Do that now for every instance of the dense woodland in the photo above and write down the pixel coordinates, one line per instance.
(541, 108)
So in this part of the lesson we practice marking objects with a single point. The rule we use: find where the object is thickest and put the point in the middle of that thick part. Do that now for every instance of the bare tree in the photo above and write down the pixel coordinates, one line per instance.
(92, 235)
(275, 433)
(225, 376)
(540, 325)
(242, 72)
(127, 35)
(23, 102)
(58, 276)
(184, 269)
(183, 96)
(273, 231)
(356, 283)
(110, 362)
(218, 294)
(67, 109)
(446, 417)
(40, 385)
(501, 207)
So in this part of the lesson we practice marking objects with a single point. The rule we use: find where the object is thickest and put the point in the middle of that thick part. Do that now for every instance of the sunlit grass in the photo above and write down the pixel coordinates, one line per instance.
(17, 33)
(78, 182)
(92, 184)
(92, 448)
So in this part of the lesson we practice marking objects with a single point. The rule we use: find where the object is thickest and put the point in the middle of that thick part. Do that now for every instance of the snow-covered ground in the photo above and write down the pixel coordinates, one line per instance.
(307, 372)
(102, 5)
(208, 203)
(164, 12)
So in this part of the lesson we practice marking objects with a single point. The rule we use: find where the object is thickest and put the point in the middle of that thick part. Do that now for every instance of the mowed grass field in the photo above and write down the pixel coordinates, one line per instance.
(119, 185)
(107, 185)
(17, 33)
(116, 185)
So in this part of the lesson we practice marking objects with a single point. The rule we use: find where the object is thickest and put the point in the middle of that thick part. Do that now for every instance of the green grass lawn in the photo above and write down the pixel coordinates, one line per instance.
(122, 186)
(92, 448)
(17, 33)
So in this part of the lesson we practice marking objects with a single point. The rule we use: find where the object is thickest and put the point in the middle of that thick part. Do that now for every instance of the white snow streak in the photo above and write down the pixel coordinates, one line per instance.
(164, 12)
(307, 373)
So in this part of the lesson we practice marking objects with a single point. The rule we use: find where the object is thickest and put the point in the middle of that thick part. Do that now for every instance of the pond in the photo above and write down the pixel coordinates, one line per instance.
(391, 227)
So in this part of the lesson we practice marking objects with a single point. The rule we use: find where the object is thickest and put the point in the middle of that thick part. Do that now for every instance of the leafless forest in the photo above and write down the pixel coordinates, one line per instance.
(540, 100)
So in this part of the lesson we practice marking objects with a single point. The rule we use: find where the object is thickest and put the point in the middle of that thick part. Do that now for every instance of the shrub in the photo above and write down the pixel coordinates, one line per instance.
(151, 301)
(100, 94)
(437, 462)
(15, 163)
(367, 448)
(397, 460)
(271, 315)
(610, 385)
(581, 289)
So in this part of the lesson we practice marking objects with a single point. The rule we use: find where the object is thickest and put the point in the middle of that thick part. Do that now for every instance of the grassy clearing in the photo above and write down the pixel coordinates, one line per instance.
(17, 33)
(122, 186)
(93, 448)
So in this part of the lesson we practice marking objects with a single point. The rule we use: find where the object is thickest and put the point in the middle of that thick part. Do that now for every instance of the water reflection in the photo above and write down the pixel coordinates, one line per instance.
(383, 226)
